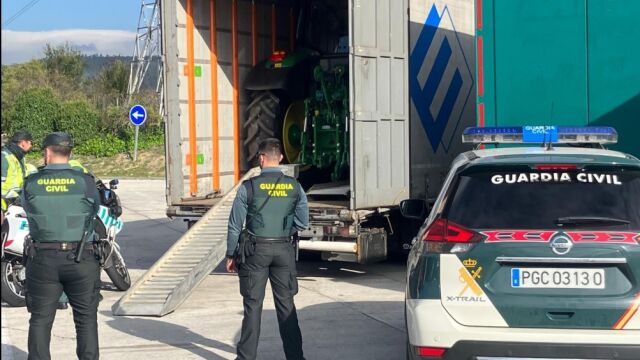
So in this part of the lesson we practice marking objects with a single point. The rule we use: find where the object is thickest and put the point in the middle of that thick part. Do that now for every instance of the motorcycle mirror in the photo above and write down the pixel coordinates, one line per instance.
(113, 183)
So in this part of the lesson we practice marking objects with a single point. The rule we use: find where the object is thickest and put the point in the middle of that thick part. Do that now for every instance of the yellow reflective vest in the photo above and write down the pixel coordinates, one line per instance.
(76, 165)
(13, 174)
(30, 169)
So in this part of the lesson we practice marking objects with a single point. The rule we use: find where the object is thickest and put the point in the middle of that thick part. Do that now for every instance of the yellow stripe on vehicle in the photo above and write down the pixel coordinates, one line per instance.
(628, 315)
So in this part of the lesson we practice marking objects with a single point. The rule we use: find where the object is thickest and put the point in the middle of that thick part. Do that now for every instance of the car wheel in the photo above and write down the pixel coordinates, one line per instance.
(409, 353)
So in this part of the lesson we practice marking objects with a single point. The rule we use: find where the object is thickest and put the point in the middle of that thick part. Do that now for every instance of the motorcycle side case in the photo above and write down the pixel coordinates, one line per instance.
(18, 230)
(105, 216)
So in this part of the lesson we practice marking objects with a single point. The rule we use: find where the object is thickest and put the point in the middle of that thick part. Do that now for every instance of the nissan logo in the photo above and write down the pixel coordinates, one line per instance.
(561, 245)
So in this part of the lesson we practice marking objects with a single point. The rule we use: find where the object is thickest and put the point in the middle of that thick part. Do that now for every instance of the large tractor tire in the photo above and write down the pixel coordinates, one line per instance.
(264, 120)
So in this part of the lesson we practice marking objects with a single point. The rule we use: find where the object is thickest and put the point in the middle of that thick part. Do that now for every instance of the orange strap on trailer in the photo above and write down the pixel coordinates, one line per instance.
(191, 85)
(215, 131)
(274, 28)
(236, 102)
(292, 30)
(254, 34)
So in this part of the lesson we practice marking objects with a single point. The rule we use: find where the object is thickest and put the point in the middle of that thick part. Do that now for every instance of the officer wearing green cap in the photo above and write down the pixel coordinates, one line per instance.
(274, 207)
(14, 169)
(61, 204)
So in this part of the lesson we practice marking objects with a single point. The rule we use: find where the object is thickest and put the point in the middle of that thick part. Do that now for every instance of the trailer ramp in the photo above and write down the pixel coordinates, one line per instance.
(168, 283)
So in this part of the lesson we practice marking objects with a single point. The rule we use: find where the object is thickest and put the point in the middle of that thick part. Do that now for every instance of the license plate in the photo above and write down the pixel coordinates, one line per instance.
(550, 278)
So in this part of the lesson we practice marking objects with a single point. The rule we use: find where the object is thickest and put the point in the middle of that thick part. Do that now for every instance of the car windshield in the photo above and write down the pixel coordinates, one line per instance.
(525, 198)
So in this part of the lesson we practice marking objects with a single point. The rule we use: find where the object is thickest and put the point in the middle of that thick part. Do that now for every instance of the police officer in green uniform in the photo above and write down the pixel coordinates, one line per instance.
(14, 169)
(61, 204)
(274, 207)
(63, 303)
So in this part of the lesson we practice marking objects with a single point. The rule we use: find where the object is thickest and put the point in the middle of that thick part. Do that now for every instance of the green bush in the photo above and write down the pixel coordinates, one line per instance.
(110, 145)
(35, 110)
(78, 119)
(149, 136)
(15, 79)
(150, 139)
(115, 119)
(102, 146)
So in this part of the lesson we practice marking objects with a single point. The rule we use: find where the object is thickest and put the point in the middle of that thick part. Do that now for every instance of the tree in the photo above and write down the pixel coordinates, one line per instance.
(64, 60)
(35, 110)
(114, 79)
(17, 78)
(77, 118)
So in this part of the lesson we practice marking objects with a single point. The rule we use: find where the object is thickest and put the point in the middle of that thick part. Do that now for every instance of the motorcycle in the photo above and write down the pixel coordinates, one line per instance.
(16, 228)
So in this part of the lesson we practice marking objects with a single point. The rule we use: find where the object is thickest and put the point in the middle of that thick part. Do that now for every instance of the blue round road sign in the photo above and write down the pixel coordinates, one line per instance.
(137, 115)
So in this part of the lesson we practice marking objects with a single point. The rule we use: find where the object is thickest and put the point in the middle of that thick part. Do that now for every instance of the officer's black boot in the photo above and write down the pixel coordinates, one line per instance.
(63, 306)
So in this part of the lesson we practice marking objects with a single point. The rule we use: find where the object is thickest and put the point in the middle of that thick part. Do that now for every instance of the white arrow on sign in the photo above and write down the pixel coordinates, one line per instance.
(137, 115)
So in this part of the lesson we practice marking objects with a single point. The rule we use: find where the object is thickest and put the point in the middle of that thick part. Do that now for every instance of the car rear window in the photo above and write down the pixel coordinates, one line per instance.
(523, 198)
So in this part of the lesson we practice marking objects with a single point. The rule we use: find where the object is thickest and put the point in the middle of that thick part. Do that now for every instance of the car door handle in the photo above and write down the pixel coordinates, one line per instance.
(560, 315)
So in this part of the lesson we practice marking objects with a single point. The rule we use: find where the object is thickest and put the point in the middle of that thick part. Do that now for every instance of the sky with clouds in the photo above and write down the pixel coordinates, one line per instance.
(93, 27)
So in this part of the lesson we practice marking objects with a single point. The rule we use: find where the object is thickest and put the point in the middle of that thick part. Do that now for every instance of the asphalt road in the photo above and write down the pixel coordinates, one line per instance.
(346, 311)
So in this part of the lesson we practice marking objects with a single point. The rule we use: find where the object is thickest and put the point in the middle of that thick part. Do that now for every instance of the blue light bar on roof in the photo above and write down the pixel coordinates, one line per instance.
(540, 135)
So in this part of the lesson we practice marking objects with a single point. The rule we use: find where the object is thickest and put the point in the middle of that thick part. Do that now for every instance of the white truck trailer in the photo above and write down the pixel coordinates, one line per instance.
(394, 78)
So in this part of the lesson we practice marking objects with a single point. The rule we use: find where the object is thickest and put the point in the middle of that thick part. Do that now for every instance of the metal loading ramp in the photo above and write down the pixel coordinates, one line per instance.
(168, 283)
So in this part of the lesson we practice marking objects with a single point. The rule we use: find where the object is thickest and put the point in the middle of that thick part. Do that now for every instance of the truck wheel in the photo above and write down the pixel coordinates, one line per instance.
(264, 120)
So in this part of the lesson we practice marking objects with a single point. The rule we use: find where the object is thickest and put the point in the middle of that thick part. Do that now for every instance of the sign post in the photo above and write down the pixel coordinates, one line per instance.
(137, 116)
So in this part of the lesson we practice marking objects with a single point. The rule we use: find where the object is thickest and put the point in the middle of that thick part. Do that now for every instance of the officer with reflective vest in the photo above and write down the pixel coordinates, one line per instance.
(14, 169)
(61, 204)
(275, 207)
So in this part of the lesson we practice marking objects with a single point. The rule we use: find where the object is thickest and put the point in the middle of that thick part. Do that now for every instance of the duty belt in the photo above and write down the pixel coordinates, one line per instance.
(57, 245)
(271, 239)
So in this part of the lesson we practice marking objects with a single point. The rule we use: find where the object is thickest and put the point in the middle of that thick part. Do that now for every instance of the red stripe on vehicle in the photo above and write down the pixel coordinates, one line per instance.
(481, 115)
(518, 236)
(479, 14)
(480, 60)
(8, 243)
(610, 237)
(628, 314)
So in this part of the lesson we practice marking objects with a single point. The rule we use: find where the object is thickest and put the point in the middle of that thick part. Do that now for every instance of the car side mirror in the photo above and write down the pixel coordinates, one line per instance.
(413, 208)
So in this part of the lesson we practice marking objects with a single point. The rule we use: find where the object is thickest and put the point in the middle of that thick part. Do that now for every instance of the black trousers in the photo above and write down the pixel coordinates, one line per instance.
(50, 272)
(274, 261)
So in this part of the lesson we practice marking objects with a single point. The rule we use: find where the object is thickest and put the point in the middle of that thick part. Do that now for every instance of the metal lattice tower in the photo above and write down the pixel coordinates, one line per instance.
(148, 48)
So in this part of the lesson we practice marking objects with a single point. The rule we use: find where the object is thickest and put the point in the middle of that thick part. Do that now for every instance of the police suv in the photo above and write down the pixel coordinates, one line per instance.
(529, 251)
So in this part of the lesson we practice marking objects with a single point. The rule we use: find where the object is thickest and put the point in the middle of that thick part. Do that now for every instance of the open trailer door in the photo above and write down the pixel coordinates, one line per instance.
(378, 65)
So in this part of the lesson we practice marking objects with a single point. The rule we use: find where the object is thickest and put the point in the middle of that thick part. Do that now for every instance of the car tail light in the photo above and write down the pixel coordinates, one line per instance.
(444, 236)
(430, 351)
(277, 56)
(550, 167)
(446, 231)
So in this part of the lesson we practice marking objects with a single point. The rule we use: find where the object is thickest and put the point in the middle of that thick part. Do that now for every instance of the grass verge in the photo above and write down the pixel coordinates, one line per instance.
(149, 165)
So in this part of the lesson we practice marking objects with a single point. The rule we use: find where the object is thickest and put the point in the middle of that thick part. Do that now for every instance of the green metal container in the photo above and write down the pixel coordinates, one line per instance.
(568, 62)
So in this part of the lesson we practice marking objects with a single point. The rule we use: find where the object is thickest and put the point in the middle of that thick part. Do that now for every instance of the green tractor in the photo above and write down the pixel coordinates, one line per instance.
(302, 98)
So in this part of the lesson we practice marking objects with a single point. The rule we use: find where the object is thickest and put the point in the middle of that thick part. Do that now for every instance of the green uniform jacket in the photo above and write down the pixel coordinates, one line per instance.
(61, 203)
(286, 212)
